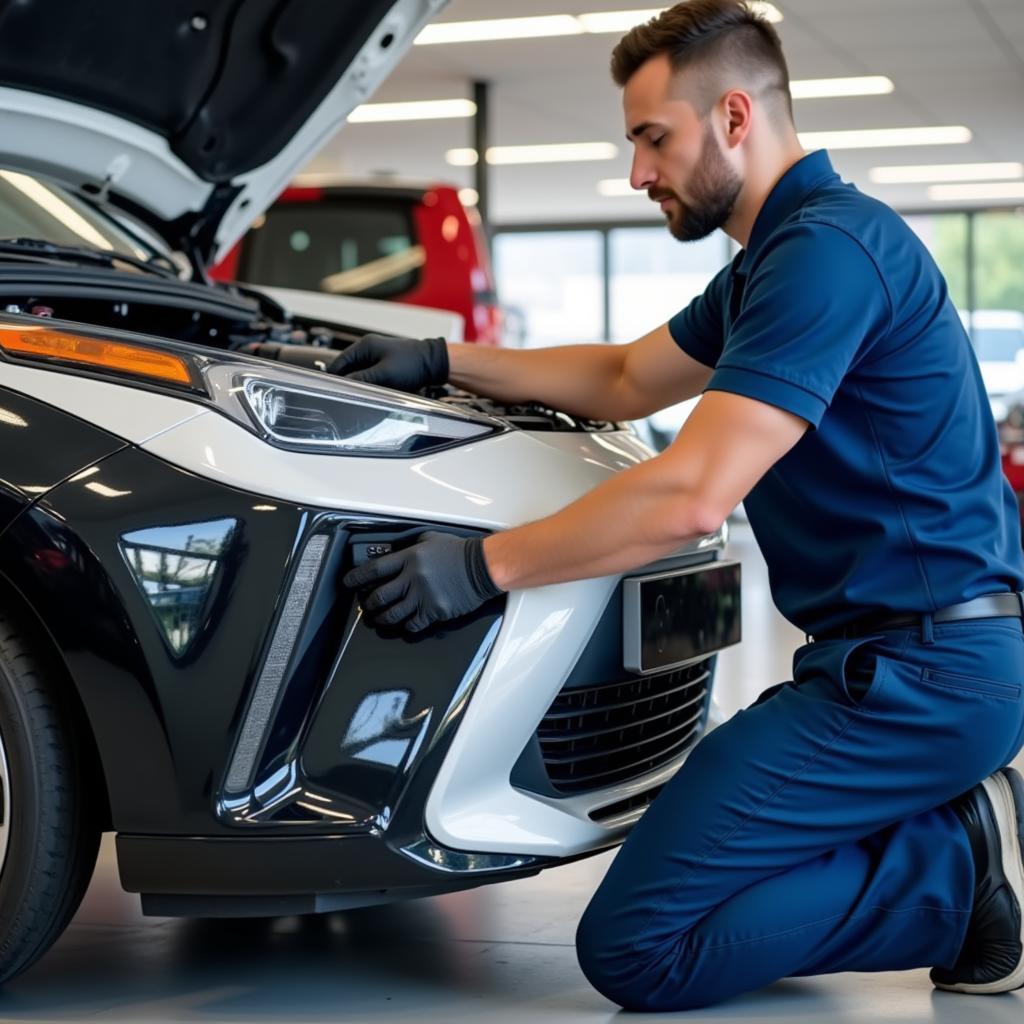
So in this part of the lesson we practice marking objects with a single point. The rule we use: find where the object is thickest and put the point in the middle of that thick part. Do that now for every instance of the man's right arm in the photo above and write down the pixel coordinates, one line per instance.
(601, 382)
(604, 382)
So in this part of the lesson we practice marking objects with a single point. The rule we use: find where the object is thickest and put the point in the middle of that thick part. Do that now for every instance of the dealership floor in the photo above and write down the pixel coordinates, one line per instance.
(502, 953)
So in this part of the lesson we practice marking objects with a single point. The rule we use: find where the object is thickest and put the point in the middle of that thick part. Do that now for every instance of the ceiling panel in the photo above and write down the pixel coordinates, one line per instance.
(952, 61)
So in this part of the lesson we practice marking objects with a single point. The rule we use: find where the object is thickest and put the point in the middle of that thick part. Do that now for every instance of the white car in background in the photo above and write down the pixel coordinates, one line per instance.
(998, 339)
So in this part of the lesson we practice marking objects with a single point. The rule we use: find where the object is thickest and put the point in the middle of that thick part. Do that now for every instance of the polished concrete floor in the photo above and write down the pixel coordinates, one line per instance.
(497, 954)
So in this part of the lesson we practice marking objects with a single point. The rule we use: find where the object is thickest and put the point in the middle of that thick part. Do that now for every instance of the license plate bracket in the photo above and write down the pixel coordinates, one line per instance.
(674, 618)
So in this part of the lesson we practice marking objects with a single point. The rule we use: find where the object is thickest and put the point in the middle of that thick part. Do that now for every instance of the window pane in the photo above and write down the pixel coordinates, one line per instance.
(997, 323)
(653, 276)
(551, 286)
(359, 247)
(945, 235)
(33, 208)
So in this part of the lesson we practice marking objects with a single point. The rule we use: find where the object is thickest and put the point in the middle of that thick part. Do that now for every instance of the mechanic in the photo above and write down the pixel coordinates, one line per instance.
(855, 818)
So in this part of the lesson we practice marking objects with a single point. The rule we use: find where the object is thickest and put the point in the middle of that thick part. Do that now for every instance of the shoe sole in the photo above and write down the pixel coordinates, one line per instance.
(1005, 791)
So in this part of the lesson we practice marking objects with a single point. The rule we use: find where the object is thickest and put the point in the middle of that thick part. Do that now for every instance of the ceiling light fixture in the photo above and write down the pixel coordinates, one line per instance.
(417, 110)
(549, 25)
(499, 28)
(984, 191)
(870, 138)
(562, 152)
(469, 196)
(928, 173)
(821, 88)
(598, 22)
(766, 10)
(616, 21)
(613, 187)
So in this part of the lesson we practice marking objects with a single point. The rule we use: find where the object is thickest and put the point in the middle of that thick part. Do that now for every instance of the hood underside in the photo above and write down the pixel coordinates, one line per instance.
(191, 115)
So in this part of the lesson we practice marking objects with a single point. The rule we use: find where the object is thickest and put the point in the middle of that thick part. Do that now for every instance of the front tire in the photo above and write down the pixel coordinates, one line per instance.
(49, 831)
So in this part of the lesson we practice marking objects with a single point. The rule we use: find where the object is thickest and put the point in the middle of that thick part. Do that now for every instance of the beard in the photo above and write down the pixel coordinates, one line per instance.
(715, 187)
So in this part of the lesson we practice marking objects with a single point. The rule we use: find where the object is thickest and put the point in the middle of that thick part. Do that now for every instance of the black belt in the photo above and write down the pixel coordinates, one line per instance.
(988, 606)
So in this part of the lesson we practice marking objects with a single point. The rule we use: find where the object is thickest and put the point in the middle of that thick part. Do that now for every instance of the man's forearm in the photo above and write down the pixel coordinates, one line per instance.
(636, 517)
(584, 380)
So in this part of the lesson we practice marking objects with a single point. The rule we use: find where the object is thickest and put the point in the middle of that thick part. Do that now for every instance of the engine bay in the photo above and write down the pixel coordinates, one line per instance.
(233, 319)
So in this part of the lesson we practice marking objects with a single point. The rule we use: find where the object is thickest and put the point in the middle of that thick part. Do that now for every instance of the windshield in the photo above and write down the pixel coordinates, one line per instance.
(359, 247)
(997, 344)
(30, 208)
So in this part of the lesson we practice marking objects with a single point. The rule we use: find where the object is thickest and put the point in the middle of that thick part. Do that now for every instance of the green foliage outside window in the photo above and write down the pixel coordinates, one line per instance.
(998, 258)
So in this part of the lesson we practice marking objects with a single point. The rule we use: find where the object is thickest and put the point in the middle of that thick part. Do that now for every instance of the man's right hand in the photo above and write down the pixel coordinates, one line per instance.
(406, 364)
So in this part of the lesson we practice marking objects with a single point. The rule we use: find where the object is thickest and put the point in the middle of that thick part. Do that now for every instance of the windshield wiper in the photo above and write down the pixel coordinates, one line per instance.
(40, 247)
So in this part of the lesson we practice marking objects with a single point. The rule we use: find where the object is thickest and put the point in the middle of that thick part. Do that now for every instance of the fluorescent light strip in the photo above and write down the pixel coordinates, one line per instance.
(821, 88)
(426, 110)
(499, 28)
(613, 187)
(869, 138)
(616, 21)
(928, 173)
(417, 110)
(766, 10)
(987, 190)
(544, 154)
(595, 22)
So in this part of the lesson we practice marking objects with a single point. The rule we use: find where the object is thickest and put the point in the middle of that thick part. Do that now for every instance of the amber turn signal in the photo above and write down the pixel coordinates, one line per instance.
(137, 360)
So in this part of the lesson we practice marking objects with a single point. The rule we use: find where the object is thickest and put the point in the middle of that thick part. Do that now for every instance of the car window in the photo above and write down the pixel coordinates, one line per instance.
(346, 247)
(33, 208)
(997, 344)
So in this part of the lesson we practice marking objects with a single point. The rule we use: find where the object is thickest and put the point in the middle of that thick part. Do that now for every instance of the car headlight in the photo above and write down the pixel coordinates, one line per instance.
(330, 419)
(286, 406)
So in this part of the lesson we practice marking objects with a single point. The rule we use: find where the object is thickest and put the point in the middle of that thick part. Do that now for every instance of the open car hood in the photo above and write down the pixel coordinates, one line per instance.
(190, 116)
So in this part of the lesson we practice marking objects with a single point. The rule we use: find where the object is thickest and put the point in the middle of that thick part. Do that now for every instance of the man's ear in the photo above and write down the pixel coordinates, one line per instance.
(737, 116)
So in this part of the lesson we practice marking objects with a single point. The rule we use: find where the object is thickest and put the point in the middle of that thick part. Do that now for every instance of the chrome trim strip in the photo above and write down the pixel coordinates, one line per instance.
(268, 686)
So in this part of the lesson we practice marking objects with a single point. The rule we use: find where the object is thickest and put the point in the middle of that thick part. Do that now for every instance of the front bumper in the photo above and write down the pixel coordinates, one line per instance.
(289, 753)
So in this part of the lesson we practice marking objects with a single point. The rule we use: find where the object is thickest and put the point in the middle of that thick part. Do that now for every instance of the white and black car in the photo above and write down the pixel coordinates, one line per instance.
(179, 662)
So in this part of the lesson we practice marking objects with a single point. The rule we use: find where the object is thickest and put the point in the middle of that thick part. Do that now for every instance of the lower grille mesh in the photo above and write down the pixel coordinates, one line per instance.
(599, 736)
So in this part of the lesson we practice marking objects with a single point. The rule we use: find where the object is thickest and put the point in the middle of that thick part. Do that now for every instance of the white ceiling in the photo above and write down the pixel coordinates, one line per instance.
(952, 61)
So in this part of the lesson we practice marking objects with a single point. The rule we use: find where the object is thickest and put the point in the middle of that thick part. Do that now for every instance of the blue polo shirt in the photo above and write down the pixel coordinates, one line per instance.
(895, 500)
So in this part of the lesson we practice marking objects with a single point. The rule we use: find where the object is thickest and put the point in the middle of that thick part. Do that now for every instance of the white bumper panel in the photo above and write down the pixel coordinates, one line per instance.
(126, 412)
(473, 806)
(494, 483)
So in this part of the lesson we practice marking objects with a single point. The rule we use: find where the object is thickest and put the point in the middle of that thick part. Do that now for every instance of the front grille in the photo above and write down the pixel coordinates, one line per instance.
(599, 736)
(631, 803)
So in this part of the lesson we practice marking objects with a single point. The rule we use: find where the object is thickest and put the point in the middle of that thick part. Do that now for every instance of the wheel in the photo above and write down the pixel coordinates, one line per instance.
(49, 831)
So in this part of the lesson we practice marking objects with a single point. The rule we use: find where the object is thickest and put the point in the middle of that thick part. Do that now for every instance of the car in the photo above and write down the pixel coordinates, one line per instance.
(1011, 440)
(180, 664)
(998, 339)
(385, 239)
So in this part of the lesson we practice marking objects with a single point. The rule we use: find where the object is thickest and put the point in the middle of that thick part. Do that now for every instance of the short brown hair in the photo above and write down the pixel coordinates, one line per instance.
(727, 33)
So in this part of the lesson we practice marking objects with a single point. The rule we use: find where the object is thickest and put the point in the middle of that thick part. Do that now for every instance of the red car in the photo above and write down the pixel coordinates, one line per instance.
(1011, 441)
(410, 243)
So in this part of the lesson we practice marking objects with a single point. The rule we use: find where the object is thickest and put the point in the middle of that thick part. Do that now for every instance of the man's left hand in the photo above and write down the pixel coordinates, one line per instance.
(439, 577)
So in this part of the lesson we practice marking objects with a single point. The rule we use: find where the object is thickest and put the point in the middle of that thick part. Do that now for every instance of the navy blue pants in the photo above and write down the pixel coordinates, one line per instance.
(811, 833)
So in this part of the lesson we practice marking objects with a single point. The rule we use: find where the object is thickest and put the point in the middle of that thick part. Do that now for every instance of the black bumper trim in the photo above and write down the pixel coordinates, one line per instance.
(307, 868)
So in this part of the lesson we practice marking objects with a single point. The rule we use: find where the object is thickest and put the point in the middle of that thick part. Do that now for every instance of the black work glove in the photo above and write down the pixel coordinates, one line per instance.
(439, 577)
(406, 364)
